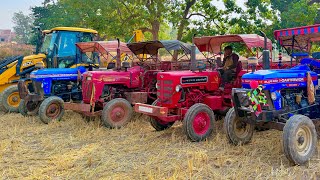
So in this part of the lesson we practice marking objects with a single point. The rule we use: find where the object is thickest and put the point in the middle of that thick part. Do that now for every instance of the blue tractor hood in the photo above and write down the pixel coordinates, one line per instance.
(273, 80)
(57, 73)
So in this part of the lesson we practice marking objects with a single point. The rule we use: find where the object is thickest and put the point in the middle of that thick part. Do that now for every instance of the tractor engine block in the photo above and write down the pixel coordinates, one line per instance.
(67, 90)
(191, 96)
(296, 100)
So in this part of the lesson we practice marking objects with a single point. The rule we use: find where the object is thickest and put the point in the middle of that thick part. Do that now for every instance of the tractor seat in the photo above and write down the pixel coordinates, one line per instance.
(238, 69)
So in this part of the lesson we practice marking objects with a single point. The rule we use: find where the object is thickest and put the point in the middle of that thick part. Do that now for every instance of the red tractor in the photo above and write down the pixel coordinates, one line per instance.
(111, 93)
(194, 96)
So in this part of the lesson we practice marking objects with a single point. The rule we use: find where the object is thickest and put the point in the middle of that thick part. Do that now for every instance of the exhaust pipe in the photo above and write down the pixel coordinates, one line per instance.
(118, 56)
(266, 52)
(193, 55)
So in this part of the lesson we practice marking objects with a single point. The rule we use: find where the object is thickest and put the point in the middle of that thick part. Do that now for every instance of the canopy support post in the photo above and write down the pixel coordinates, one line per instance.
(279, 55)
(193, 55)
(292, 46)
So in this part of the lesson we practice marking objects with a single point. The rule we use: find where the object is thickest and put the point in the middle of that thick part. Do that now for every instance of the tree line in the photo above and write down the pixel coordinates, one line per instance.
(167, 19)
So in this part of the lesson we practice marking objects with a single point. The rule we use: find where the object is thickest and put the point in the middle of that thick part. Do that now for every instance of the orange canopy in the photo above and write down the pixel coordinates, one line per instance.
(104, 47)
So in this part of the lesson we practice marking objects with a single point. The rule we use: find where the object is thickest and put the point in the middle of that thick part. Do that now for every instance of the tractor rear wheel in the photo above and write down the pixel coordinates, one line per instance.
(159, 125)
(52, 108)
(29, 108)
(116, 113)
(10, 99)
(299, 139)
(237, 131)
(198, 122)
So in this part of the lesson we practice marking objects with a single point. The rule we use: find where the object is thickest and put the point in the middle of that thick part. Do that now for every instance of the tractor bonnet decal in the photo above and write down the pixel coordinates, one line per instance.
(279, 80)
(192, 80)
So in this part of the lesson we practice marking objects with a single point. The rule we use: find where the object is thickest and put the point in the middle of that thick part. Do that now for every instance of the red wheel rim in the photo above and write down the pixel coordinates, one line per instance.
(53, 110)
(118, 113)
(201, 123)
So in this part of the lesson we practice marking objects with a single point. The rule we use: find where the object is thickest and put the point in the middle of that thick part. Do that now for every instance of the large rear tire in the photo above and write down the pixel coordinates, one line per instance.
(159, 125)
(10, 99)
(198, 122)
(116, 113)
(52, 108)
(299, 139)
(237, 131)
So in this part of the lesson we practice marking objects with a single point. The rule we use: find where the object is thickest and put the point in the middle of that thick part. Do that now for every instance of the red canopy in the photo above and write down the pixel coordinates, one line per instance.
(298, 37)
(213, 43)
(104, 47)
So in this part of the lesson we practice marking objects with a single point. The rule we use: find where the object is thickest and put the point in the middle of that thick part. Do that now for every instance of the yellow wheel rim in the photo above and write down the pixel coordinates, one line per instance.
(303, 140)
(14, 99)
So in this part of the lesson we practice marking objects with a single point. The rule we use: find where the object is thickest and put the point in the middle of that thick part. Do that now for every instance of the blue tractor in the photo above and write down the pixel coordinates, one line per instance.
(285, 99)
(50, 88)
(65, 83)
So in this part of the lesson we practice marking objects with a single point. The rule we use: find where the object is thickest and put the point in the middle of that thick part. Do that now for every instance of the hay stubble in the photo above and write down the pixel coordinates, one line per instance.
(74, 148)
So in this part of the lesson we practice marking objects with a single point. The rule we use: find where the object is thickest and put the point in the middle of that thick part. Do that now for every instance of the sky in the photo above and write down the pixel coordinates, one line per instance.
(8, 7)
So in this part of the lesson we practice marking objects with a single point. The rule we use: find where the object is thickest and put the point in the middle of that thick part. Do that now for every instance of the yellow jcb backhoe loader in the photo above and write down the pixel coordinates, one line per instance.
(55, 49)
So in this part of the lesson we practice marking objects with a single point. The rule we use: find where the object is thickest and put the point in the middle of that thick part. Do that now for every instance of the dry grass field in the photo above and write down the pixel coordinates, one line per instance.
(12, 49)
(75, 149)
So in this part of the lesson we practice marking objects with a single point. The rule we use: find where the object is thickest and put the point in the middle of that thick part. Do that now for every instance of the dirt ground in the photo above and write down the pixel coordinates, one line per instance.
(75, 149)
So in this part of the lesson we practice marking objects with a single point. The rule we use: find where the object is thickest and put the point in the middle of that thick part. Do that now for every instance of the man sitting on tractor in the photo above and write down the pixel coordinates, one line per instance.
(229, 65)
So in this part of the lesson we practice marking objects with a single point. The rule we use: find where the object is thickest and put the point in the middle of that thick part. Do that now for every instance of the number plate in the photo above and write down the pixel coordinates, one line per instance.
(145, 109)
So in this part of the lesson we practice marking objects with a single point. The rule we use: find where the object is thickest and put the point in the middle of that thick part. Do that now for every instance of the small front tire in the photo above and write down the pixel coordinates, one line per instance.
(22, 108)
(52, 108)
(237, 131)
(159, 125)
(29, 108)
(198, 122)
(116, 113)
(299, 139)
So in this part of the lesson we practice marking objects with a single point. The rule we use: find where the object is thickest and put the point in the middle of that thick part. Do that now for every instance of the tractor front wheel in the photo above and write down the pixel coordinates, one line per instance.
(52, 108)
(198, 122)
(299, 139)
(10, 99)
(29, 108)
(237, 131)
(159, 125)
(116, 113)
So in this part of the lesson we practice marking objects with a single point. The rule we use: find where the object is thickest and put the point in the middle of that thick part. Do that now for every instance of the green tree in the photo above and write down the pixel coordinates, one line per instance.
(111, 18)
(293, 13)
(22, 27)
(299, 13)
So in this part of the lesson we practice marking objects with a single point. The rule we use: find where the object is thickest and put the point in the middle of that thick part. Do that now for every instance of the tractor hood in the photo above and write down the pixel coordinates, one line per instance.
(54, 73)
(206, 79)
(282, 78)
(130, 78)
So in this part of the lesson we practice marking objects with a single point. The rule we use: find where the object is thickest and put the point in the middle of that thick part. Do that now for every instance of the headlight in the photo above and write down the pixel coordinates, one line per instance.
(157, 86)
(273, 96)
(178, 88)
(42, 85)
(88, 78)
(243, 98)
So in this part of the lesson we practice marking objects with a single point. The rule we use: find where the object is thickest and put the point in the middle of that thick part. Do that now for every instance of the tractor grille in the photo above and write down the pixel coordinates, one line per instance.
(164, 91)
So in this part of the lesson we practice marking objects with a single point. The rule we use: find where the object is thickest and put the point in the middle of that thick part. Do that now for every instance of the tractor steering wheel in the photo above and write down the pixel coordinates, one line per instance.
(211, 60)
(94, 65)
